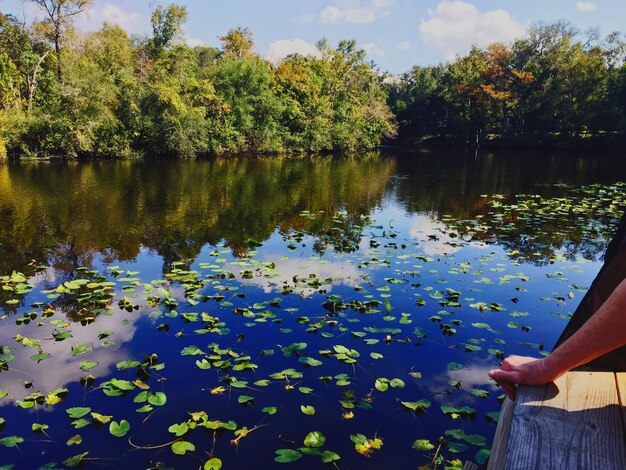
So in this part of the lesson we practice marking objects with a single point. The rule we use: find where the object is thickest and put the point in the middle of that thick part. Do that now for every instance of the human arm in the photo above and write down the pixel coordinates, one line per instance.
(603, 332)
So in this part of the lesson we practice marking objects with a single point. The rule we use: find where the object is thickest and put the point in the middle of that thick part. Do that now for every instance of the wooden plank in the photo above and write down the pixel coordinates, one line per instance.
(470, 466)
(574, 424)
(501, 438)
(620, 378)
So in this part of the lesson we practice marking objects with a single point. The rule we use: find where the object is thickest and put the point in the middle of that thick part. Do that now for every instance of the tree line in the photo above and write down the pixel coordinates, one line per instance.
(552, 86)
(109, 94)
(106, 93)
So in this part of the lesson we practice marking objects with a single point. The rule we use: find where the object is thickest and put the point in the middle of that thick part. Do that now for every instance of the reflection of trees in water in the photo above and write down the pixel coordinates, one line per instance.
(66, 215)
(451, 189)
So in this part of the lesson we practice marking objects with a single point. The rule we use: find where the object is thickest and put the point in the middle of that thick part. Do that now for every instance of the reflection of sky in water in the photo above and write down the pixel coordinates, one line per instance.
(431, 261)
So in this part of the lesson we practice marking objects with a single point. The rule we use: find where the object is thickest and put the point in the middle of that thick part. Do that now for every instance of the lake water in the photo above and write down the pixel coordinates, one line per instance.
(301, 301)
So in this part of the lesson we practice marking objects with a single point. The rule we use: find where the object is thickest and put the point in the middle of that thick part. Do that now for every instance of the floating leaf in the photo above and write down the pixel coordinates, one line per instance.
(158, 399)
(101, 418)
(270, 410)
(119, 429)
(182, 447)
(245, 399)
(287, 455)
(423, 445)
(288, 350)
(11, 441)
(475, 439)
(416, 405)
(482, 456)
(381, 384)
(329, 457)
(314, 439)
(178, 429)
(38, 427)
(364, 445)
(456, 447)
(479, 393)
(81, 423)
(397, 383)
(79, 349)
(213, 464)
(75, 440)
(309, 361)
(77, 412)
(76, 460)
(87, 365)
(307, 410)
(41, 356)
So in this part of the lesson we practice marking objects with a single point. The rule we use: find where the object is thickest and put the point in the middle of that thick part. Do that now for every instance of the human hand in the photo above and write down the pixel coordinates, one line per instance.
(522, 370)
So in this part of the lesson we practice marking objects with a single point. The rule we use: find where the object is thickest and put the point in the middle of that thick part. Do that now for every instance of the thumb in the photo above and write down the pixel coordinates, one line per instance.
(499, 375)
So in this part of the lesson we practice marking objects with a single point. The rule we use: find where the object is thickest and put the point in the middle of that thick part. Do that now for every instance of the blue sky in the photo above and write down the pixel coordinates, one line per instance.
(397, 34)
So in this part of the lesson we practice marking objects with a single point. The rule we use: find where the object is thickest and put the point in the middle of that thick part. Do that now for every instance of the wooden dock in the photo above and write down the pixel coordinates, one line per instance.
(578, 422)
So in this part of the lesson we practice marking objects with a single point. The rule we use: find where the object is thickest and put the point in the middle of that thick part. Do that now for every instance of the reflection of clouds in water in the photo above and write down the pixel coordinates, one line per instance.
(435, 237)
(343, 272)
(44, 279)
(473, 375)
(62, 368)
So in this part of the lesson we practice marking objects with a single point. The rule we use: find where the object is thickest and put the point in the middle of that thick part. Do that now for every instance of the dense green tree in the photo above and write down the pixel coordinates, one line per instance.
(151, 95)
(307, 112)
(238, 42)
(250, 118)
(418, 101)
(174, 105)
(548, 86)
(167, 26)
(60, 14)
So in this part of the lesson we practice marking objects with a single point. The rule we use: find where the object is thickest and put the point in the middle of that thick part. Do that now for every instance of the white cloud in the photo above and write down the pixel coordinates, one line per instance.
(193, 42)
(280, 49)
(355, 11)
(404, 45)
(457, 25)
(586, 6)
(132, 22)
(374, 49)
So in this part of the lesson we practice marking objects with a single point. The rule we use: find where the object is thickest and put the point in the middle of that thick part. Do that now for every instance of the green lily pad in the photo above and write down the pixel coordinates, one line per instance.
(213, 464)
(119, 429)
(11, 441)
(182, 447)
(75, 440)
(423, 445)
(314, 439)
(77, 412)
(287, 455)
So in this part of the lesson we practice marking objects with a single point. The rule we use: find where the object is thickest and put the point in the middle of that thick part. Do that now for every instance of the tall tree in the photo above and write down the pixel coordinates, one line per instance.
(167, 26)
(60, 14)
(238, 42)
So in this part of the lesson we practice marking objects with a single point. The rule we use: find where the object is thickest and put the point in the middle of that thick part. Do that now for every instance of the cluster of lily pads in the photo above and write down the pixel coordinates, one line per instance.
(226, 315)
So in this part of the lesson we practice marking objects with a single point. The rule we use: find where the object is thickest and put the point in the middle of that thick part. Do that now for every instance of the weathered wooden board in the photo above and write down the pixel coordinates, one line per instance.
(576, 424)
(501, 438)
(621, 389)
(470, 466)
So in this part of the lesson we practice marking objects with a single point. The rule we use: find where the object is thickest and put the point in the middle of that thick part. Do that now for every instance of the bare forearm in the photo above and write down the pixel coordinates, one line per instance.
(603, 332)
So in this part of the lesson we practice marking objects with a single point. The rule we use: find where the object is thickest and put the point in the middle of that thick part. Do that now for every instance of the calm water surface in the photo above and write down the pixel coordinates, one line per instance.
(233, 287)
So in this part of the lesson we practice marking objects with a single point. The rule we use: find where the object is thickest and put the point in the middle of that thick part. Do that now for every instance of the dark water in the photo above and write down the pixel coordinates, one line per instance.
(426, 267)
